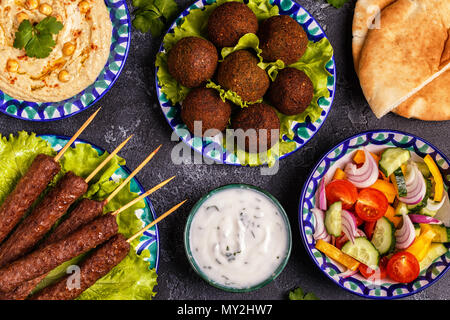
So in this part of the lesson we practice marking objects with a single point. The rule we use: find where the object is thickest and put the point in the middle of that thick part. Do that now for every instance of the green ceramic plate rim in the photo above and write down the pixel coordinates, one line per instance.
(187, 229)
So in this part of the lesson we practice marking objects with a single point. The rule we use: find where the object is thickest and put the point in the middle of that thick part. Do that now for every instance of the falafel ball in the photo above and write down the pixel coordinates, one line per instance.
(240, 73)
(229, 22)
(281, 37)
(205, 105)
(291, 92)
(192, 60)
(262, 118)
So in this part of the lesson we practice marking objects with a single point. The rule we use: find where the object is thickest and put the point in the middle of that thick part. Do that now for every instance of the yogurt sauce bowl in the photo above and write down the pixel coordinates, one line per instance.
(238, 238)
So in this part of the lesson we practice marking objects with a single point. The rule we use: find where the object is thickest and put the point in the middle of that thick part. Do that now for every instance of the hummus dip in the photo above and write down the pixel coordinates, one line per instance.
(81, 51)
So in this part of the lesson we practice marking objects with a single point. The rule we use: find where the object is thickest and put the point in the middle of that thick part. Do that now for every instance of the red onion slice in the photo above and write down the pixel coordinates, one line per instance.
(322, 199)
(419, 218)
(347, 273)
(416, 189)
(435, 206)
(406, 234)
(319, 226)
(366, 175)
(349, 226)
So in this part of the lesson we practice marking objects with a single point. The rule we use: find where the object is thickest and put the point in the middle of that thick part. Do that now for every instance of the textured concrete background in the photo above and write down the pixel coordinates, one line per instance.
(131, 106)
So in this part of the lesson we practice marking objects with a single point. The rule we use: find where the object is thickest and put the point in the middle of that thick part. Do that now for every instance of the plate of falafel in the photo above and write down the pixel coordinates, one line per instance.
(262, 70)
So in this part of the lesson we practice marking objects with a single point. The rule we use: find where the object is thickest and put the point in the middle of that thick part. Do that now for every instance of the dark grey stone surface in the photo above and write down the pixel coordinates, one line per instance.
(131, 107)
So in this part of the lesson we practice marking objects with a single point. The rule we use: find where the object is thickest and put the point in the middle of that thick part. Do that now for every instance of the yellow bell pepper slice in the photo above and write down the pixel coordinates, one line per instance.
(387, 188)
(360, 158)
(334, 253)
(390, 215)
(421, 245)
(439, 182)
(339, 174)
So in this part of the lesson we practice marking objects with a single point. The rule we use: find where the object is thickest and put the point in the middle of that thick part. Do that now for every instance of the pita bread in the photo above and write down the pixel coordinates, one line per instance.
(432, 103)
(366, 16)
(395, 44)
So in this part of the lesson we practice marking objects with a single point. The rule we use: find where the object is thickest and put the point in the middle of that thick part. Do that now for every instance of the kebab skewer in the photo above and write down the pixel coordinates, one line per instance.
(52, 207)
(41, 171)
(97, 265)
(87, 210)
(28, 282)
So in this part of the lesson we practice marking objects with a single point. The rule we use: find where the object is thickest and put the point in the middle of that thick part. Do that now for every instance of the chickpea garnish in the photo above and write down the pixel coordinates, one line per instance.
(45, 9)
(64, 76)
(84, 6)
(21, 16)
(12, 65)
(32, 4)
(68, 49)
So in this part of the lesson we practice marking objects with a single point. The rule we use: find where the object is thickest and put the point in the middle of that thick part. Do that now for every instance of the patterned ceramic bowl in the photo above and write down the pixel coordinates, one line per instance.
(149, 241)
(188, 248)
(303, 131)
(120, 17)
(373, 141)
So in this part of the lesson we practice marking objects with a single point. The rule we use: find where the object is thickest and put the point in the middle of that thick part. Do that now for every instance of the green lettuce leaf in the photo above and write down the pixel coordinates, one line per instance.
(130, 279)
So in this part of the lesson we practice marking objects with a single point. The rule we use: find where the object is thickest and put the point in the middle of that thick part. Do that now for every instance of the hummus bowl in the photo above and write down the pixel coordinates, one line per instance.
(33, 92)
(338, 156)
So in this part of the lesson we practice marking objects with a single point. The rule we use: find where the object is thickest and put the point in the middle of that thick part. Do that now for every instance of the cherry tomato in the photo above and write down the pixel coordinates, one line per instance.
(369, 227)
(403, 267)
(341, 190)
(370, 273)
(371, 205)
(359, 221)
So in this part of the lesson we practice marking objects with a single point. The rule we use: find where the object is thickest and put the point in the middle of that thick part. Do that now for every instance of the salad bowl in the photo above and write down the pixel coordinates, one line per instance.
(338, 156)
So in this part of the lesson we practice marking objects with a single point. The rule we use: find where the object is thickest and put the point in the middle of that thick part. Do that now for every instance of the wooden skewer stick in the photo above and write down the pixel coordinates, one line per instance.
(142, 196)
(108, 158)
(161, 217)
(75, 136)
(124, 183)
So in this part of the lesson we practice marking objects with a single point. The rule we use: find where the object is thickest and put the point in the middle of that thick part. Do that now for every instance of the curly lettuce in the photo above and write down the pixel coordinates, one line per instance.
(130, 279)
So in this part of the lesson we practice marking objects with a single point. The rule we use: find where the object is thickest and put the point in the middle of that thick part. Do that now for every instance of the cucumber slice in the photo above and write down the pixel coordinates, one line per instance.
(427, 212)
(400, 183)
(401, 209)
(423, 168)
(383, 236)
(392, 159)
(333, 219)
(362, 250)
(436, 250)
(442, 233)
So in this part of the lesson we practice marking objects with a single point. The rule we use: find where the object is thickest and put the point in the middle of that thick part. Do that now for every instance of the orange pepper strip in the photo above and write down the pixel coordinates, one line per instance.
(339, 174)
(420, 246)
(360, 158)
(390, 215)
(387, 188)
(336, 254)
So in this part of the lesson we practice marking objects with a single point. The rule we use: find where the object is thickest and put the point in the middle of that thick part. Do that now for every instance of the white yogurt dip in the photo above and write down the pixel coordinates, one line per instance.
(238, 238)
